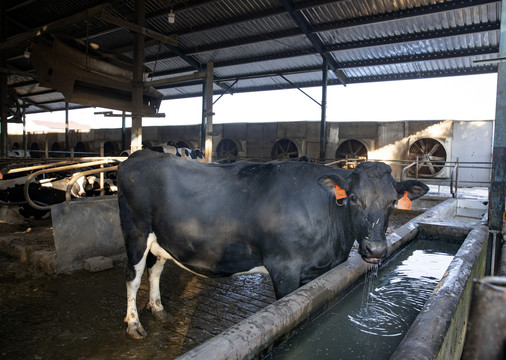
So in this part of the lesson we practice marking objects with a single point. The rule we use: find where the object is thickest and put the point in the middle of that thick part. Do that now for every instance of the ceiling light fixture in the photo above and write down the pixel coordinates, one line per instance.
(171, 17)
(26, 54)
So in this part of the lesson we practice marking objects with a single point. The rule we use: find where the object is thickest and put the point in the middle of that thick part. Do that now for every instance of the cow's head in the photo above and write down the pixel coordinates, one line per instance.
(371, 193)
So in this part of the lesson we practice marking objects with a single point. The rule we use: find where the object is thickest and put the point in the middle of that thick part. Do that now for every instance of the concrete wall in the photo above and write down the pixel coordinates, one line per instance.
(383, 140)
(472, 142)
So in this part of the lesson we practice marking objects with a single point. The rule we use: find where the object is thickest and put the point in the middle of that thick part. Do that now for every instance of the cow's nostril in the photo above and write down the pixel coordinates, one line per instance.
(375, 250)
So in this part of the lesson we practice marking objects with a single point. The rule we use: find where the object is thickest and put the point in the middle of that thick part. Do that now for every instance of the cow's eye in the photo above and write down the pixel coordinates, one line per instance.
(353, 198)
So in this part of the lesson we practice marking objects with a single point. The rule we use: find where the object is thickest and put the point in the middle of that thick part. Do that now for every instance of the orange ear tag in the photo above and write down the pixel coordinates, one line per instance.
(340, 193)
(404, 203)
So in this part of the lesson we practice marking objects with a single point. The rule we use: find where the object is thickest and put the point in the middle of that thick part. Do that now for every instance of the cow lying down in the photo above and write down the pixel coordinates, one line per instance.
(283, 216)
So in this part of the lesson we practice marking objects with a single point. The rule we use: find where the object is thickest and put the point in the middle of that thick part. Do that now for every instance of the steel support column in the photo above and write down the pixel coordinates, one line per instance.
(208, 112)
(25, 145)
(323, 123)
(138, 83)
(497, 192)
(123, 131)
(203, 123)
(4, 93)
(67, 143)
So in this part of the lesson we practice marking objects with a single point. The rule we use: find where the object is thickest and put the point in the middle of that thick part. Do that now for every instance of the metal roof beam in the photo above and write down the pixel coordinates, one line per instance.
(370, 42)
(426, 74)
(371, 62)
(417, 11)
(108, 17)
(403, 76)
(466, 29)
(362, 63)
(40, 106)
(28, 35)
(302, 23)
(351, 64)
(308, 4)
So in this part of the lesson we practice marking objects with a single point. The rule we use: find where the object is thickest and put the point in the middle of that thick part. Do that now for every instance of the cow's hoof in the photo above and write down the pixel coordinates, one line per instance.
(160, 315)
(136, 331)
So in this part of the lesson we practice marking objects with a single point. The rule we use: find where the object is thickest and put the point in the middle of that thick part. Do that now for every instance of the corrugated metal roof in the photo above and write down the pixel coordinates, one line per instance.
(263, 44)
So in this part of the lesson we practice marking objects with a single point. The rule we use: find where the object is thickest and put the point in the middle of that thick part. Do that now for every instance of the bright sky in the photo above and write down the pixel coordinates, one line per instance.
(471, 97)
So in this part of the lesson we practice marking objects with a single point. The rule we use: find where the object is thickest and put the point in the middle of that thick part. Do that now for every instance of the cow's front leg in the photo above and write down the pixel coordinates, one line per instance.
(155, 268)
(285, 278)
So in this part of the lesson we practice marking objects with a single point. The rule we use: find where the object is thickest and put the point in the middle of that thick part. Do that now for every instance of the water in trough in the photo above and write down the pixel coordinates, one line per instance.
(371, 320)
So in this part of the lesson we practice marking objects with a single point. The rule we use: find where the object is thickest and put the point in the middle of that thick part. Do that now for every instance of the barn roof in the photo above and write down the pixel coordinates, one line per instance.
(255, 45)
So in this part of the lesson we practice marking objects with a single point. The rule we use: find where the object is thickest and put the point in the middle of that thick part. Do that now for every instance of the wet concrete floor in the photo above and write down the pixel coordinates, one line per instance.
(80, 315)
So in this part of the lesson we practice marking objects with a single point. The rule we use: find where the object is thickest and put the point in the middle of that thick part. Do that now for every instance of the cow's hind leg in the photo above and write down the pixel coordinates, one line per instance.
(133, 281)
(137, 253)
(155, 267)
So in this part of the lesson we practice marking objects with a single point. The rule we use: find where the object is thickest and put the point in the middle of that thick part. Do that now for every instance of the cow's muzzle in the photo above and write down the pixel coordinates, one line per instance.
(373, 251)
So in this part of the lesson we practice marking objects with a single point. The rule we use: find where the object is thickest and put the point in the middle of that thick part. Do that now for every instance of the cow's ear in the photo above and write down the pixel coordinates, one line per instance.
(414, 188)
(329, 183)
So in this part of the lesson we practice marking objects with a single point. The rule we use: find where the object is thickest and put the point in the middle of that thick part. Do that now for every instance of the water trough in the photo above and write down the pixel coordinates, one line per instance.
(438, 331)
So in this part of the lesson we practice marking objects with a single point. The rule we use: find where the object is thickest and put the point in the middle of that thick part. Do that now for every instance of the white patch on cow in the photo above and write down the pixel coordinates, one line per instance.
(158, 251)
(155, 300)
(255, 270)
(79, 184)
(132, 317)
(47, 182)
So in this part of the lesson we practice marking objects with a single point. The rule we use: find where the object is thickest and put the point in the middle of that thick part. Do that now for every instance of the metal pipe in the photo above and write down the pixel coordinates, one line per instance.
(101, 183)
(406, 169)
(62, 168)
(417, 167)
(492, 258)
(456, 177)
(70, 162)
(46, 149)
(138, 84)
(67, 142)
(208, 148)
(36, 167)
(4, 90)
(77, 176)
(323, 121)
(25, 145)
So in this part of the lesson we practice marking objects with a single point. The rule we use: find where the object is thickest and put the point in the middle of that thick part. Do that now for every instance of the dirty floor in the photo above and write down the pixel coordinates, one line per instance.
(80, 315)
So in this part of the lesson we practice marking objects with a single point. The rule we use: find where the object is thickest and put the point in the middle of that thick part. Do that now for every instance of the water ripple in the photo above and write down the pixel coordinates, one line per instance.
(388, 303)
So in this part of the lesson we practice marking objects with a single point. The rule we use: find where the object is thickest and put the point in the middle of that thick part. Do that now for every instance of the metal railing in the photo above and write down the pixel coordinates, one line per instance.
(453, 179)
(25, 172)
(41, 206)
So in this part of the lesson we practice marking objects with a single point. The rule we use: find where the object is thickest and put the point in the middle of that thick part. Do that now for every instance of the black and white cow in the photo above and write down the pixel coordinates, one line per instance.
(283, 216)
(184, 152)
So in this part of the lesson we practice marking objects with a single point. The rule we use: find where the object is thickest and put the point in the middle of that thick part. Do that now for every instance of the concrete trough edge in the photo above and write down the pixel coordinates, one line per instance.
(438, 332)
(248, 338)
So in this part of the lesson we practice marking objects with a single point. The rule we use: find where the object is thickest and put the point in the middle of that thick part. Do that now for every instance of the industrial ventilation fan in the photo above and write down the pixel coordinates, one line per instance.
(431, 155)
(88, 80)
(351, 153)
(227, 151)
(284, 149)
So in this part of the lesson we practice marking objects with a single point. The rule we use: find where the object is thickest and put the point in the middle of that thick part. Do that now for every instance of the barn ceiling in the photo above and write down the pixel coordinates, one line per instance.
(255, 45)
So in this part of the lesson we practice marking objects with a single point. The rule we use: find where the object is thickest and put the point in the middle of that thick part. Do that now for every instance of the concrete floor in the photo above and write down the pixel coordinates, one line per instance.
(80, 315)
